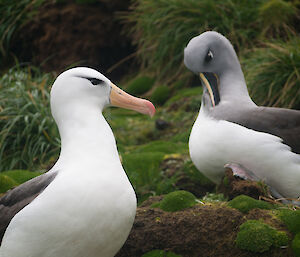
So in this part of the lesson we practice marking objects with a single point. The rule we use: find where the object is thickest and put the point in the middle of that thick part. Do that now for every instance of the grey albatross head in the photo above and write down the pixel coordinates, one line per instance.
(212, 57)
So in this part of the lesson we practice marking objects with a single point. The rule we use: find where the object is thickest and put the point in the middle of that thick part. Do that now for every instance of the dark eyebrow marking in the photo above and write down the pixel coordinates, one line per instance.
(94, 81)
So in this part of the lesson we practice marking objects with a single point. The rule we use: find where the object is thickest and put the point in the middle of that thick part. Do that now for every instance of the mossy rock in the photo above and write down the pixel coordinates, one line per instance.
(291, 219)
(245, 203)
(21, 176)
(296, 245)
(160, 95)
(140, 85)
(6, 183)
(160, 253)
(258, 237)
(176, 201)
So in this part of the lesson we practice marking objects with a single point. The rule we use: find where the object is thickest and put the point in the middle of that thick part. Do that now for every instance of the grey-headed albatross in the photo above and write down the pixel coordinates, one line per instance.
(262, 143)
(85, 205)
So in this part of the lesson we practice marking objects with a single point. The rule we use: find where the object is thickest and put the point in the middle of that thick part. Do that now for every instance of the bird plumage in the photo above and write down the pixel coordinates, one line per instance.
(231, 128)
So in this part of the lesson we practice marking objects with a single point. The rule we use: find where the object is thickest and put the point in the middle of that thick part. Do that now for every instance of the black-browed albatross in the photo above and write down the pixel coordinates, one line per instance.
(85, 205)
(232, 130)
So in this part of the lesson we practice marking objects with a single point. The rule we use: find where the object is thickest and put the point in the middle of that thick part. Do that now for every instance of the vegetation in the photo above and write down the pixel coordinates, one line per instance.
(296, 245)
(176, 201)
(273, 74)
(28, 136)
(6, 183)
(14, 14)
(245, 203)
(21, 176)
(258, 237)
(291, 218)
(161, 29)
(140, 85)
(160, 95)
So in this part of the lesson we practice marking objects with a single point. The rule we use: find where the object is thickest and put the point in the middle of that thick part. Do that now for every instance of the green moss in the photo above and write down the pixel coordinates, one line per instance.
(280, 239)
(21, 176)
(296, 245)
(177, 200)
(140, 85)
(160, 95)
(245, 203)
(258, 237)
(291, 219)
(160, 253)
(6, 183)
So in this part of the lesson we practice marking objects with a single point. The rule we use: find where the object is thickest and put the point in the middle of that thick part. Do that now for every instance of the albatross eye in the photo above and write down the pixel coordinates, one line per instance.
(209, 56)
(95, 81)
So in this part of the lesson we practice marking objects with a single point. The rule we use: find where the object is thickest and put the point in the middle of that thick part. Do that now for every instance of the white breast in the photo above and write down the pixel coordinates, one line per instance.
(86, 216)
(214, 143)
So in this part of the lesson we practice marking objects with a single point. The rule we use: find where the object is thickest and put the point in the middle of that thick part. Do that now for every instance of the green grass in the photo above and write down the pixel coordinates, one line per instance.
(21, 176)
(28, 136)
(14, 14)
(273, 74)
(143, 170)
(162, 28)
(6, 183)
(276, 17)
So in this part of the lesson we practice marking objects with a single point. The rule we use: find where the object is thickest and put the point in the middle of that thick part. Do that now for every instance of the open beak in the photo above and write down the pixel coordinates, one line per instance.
(120, 98)
(210, 81)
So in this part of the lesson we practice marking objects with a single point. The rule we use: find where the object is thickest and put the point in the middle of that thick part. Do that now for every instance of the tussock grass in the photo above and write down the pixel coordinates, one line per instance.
(162, 28)
(14, 14)
(273, 74)
(28, 135)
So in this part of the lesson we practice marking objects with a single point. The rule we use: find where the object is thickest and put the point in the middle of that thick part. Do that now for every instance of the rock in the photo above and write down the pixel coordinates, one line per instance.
(161, 124)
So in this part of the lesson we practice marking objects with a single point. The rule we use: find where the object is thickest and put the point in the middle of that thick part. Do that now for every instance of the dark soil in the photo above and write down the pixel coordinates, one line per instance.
(203, 230)
(64, 34)
(235, 186)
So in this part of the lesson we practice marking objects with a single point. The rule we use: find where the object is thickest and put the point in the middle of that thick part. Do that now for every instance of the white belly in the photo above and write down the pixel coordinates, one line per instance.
(73, 218)
(215, 143)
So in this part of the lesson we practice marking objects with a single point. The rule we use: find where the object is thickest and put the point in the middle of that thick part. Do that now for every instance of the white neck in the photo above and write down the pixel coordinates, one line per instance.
(88, 139)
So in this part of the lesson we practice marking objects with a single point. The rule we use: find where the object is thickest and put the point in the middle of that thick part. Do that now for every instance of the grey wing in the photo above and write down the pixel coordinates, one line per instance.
(284, 123)
(16, 199)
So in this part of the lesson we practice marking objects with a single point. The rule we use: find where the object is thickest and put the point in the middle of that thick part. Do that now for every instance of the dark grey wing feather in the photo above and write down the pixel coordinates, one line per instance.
(16, 199)
(284, 123)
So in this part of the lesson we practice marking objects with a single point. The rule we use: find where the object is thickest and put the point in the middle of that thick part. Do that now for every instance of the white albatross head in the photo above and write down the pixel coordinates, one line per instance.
(80, 91)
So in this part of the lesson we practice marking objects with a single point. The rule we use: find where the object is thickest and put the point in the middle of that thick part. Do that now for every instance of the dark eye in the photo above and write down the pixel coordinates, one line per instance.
(95, 81)
(209, 56)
